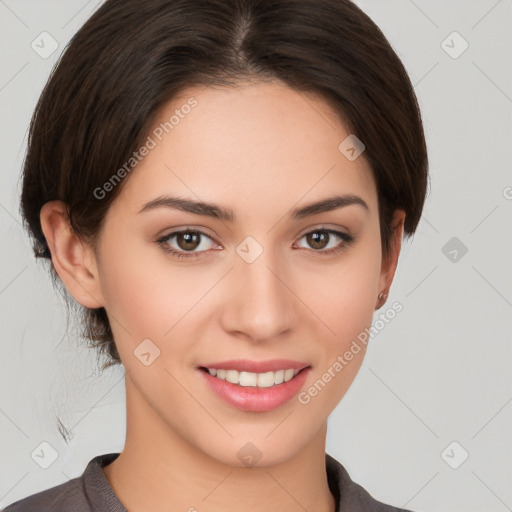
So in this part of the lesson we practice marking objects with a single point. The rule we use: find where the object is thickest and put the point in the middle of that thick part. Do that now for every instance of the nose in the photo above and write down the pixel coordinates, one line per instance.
(259, 302)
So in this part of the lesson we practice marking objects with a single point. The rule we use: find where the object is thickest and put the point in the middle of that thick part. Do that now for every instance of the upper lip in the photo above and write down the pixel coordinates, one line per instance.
(246, 365)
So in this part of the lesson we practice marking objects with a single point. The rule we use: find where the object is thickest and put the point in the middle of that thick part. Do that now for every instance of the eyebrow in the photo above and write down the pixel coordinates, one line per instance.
(218, 212)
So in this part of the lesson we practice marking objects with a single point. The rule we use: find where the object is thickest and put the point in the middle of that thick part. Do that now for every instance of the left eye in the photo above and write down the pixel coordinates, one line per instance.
(321, 238)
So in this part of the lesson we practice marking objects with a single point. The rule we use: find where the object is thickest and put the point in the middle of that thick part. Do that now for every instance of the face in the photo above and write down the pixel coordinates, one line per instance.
(259, 285)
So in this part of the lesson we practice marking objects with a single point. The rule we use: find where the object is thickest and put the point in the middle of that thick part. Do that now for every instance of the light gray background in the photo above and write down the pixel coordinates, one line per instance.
(438, 373)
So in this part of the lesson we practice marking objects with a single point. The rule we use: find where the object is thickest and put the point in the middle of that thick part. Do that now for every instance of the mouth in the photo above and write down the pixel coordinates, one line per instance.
(275, 384)
(242, 378)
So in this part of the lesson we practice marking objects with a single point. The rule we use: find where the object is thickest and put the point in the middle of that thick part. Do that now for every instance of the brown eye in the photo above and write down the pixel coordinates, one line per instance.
(323, 241)
(318, 239)
(187, 240)
(185, 243)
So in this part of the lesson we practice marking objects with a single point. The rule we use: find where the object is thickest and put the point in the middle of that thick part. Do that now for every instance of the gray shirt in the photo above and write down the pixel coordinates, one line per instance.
(91, 492)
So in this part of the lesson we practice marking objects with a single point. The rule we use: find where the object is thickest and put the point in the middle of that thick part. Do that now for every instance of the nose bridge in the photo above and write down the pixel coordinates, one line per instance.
(260, 305)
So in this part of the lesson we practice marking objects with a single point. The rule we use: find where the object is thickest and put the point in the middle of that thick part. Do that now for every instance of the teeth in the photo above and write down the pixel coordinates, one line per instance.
(260, 380)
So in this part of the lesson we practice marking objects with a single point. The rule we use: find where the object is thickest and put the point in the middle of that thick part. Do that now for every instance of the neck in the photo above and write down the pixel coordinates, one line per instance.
(159, 470)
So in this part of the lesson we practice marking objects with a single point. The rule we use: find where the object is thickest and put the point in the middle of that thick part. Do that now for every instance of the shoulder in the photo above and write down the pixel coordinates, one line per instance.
(69, 495)
(78, 494)
(349, 494)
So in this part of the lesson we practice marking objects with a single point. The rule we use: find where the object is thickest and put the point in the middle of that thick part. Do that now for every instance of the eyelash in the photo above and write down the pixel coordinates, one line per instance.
(347, 241)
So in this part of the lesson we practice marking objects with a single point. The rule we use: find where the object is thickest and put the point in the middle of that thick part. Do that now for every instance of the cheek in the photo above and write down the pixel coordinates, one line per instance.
(343, 294)
(147, 296)
(144, 298)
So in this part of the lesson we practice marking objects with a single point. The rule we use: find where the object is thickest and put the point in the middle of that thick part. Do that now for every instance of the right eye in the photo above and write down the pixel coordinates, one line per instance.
(185, 243)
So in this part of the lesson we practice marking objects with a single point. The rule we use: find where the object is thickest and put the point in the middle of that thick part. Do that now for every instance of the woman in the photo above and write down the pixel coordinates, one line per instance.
(224, 186)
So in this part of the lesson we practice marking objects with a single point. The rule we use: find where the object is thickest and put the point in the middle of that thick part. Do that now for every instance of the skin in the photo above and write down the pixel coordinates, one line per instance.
(259, 149)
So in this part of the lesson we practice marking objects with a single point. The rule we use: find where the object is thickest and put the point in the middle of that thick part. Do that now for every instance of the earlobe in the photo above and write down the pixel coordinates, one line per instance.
(73, 259)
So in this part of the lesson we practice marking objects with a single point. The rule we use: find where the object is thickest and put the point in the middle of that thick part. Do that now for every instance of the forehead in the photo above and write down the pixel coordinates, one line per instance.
(245, 145)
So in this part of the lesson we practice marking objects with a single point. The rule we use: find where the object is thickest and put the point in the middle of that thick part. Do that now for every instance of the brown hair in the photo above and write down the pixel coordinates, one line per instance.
(132, 57)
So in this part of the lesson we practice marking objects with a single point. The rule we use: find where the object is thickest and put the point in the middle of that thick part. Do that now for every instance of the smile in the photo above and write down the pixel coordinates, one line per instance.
(260, 380)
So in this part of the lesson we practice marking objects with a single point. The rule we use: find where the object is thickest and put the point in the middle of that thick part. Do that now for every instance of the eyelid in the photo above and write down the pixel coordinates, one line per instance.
(325, 227)
(185, 227)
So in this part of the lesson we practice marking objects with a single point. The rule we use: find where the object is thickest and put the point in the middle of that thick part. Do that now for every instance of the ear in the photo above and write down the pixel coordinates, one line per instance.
(390, 262)
(74, 260)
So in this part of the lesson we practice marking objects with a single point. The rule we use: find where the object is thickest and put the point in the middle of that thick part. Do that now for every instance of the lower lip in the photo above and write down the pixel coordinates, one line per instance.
(254, 399)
